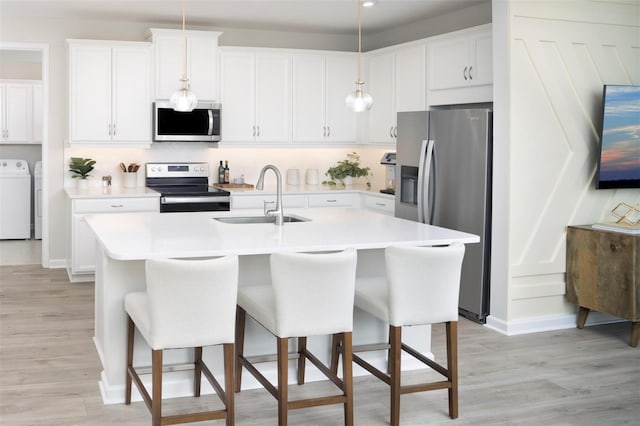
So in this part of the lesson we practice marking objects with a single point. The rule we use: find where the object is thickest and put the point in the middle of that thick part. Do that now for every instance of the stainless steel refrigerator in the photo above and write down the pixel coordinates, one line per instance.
(443, 167)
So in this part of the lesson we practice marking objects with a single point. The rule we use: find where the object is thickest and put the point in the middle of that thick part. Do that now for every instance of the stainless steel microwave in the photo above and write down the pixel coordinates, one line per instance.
(200, 125)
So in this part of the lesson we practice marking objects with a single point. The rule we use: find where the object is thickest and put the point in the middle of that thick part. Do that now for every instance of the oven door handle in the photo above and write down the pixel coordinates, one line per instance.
(194, 199)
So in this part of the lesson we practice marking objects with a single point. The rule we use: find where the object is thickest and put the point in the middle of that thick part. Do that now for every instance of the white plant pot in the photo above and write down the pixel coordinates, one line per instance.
(348, 181)
(83, 184)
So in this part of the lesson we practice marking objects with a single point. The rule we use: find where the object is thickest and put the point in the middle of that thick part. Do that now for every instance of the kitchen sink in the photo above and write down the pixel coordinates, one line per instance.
(259, 219)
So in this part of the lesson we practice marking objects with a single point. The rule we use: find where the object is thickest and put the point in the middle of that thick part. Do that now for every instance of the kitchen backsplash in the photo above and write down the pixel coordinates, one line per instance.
(247, 161)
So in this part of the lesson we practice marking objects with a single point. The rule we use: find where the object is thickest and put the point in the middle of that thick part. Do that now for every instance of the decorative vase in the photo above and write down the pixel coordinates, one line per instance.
(83, 183)
(348, 180)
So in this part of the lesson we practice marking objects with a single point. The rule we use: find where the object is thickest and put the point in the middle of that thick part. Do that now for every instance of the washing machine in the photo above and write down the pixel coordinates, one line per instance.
(37, 200)
(15, 200)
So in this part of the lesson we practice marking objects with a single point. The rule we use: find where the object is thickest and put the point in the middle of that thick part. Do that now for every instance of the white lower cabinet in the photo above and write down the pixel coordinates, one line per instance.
(82, 249)
(333, 200)
(257, 201)
(378, 203)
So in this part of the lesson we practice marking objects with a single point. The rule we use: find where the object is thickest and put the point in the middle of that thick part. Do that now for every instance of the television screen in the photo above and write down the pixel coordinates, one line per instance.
(619, 162)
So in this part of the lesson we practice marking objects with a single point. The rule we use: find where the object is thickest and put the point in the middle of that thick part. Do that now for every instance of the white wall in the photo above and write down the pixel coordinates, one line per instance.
(560, 55)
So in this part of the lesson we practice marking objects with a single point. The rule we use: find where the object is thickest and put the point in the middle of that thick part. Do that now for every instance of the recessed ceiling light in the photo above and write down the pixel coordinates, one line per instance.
(368, 3)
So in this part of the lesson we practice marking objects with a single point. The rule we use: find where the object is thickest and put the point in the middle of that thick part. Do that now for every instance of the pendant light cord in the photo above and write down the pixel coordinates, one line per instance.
(184, 44)
(359, 44)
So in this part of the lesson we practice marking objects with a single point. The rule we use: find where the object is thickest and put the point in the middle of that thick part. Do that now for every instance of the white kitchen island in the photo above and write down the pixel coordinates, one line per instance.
(126, 240)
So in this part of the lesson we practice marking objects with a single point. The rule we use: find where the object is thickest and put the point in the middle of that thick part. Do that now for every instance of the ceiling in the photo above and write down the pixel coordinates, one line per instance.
(319, 16)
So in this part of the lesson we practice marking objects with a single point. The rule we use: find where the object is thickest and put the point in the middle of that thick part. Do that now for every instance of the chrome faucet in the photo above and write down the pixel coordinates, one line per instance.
(277, 212)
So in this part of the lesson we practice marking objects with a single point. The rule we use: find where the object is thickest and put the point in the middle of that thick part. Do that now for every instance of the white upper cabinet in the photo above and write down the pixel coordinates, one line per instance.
(202, 62)
(396, 81)
(38, 113)
(255, 92)
(16, 112)
(109, 92)
(458, 62)
(321, 83)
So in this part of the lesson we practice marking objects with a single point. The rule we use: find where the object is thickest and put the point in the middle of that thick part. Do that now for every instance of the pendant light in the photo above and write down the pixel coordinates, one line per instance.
(359, 101)
(183, 99)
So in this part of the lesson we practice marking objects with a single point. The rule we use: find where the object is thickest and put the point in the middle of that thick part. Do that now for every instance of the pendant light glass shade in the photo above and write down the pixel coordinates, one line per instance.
(358, 100)
(183, 99)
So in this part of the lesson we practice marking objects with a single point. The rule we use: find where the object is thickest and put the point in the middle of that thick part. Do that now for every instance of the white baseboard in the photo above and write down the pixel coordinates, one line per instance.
(546, 323)
(57, 263)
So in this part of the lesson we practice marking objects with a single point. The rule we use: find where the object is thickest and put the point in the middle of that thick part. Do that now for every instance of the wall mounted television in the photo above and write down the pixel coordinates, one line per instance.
(619, 160)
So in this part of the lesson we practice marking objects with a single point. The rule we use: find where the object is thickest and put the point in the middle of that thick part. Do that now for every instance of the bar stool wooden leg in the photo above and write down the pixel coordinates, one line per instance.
(336, 343)
(347, 376)
(156, 390)
(197, 370)
(395, 354)
(241, 315)
(228, 383)
(302, 346)
(283, 379)
(130, 336)
(452, 366)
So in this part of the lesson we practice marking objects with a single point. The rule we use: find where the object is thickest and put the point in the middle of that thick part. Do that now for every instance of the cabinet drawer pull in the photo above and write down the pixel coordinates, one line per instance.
(117, 206)
(381, 204)
(331, 201)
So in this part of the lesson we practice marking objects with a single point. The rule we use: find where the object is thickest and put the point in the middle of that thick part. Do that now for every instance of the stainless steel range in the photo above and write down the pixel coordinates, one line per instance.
(184, 187)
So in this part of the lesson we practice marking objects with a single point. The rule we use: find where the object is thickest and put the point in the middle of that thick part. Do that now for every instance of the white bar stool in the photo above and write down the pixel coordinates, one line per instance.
(311, 294)
(421, 287)
(188, 304)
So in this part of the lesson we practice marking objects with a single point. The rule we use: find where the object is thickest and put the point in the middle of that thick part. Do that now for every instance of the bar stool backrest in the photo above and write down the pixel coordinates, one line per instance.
(424, 283)
(313, 292)
(191, 302)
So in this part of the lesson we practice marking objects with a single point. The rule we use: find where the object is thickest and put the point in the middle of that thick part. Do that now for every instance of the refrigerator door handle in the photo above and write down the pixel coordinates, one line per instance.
(424, 166)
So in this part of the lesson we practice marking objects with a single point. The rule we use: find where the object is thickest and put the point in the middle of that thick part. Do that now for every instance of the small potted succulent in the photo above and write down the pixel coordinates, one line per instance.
(80, 168)
(346, 170)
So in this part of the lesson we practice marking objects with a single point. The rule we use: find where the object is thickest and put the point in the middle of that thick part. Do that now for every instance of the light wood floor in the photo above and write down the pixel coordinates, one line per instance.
(49, 371)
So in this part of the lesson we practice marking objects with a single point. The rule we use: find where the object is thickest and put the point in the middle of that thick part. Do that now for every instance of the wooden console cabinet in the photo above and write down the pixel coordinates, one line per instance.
(603, 274)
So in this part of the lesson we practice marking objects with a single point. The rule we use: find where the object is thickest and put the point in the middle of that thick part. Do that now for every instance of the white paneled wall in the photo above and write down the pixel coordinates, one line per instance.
(559, 60)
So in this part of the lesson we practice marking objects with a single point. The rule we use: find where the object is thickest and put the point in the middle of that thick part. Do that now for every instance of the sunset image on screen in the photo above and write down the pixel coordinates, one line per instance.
(620, 152)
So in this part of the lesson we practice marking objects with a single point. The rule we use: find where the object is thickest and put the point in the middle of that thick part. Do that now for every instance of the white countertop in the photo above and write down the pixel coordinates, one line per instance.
(111, 192)
(138, 236)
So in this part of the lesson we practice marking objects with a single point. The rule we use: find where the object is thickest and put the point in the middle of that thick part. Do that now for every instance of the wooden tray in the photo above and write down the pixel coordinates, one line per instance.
(233, 185)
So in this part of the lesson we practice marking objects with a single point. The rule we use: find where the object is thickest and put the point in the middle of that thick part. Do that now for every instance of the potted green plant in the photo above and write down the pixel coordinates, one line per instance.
(80, 168)
(346, 170)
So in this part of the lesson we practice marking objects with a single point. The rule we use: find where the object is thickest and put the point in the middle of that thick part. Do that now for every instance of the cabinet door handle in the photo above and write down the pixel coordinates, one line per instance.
(253, 130)
(328, 131)
(470, 75)
(114, 129)
(258, 133)
(395, 132)
(109, 129)
(464, 73)
(324, 131)
(391, 131)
